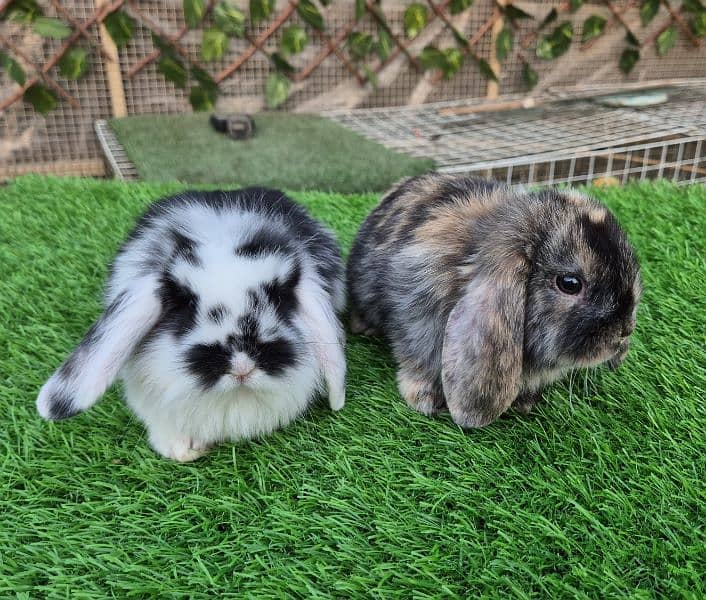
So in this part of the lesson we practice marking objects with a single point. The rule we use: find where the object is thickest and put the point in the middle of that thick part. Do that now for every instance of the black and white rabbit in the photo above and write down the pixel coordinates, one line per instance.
(486, 294)
(220, 318)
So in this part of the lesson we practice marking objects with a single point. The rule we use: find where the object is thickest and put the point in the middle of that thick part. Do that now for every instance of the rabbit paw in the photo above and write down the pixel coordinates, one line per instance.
(420, 394)
(180, 449)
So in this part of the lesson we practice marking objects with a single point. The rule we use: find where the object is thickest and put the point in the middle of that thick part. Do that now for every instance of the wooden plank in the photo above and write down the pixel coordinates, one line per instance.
(493, 90)
(112, 69)
(86, 167)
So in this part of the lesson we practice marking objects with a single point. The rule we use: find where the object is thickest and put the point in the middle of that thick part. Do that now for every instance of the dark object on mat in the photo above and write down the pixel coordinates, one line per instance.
(237, 126)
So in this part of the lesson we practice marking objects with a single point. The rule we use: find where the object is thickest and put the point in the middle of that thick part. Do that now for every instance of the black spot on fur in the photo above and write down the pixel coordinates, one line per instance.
(91, 338)
(61, 406)
(185, 248)
(254, 298)
(282, 294)
(179, 306)
(272, 356)
(602, 237)
(95, 331)
(264, 242)
(301, 231)
(584, 328)
(208, 362)
(619, 266)
(275, 356)
(217, 313)
(68, 369)
(248, 328)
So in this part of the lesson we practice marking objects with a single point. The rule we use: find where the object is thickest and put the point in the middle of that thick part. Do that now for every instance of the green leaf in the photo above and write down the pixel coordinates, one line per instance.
(308, 11)
(214, 44)
(74, 64)
(161, 44)
(512, 12)
(172, 69)
(276, 90)
(458, 6)
(486, 70)
(631, 39)
(202, 98)
(359, 9)
(698, 24)
(280, 63)
(324, 2)
(565, 30)
(261, 9)
(556, 43)
(552, 16)
(574, 5)
(194, 11)
(120, 26)
(41, 98)
(51, 28)
(448, 60)
(628, 58)
(648, 10)
(432, 58)
(229, 19)
(593, 27)
(13, 68)
(360, 44)
(415, 19)
(545, 49)
(529, 76)
(666, 40)
(294, 39)
(692, 6)
(371, 76)
(204, 78)
(454, 61)
(384, 43)
(22, 11)
(503, 43)
(458, 37)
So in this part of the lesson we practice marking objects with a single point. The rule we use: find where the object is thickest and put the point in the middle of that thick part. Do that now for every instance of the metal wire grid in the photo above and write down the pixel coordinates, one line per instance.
(682, 161)
(63, 141)
(66, 135)
(564, 142)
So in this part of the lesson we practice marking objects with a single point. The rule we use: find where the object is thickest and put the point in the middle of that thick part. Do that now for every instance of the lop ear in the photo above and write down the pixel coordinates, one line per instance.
(94, 364)
(483, 345)
(327, 341)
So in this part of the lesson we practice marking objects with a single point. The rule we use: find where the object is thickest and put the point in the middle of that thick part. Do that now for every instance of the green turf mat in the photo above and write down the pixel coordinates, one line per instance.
(299, 152)
(599, 494)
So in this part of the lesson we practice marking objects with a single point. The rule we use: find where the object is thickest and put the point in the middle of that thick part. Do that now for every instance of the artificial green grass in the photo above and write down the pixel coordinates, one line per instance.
(599, 494)
(297, 152)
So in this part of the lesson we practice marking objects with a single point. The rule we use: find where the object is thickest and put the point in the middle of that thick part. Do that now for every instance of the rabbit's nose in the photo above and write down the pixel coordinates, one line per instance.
(243, 366)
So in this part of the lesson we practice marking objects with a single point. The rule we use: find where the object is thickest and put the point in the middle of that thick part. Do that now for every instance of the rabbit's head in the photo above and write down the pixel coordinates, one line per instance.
(554, 285)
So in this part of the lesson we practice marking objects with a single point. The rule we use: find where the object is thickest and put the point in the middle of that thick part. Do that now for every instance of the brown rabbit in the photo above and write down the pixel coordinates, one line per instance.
(488, 294)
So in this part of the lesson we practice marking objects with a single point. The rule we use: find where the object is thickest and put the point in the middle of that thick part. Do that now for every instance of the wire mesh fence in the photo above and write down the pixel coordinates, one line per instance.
(326, 75)
(561, 140)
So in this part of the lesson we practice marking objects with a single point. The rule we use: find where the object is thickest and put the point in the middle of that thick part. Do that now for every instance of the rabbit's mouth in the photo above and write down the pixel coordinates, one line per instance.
(617, 359)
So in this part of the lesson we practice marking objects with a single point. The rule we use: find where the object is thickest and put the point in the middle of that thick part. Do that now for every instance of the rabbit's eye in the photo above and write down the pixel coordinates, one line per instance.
(569, 284)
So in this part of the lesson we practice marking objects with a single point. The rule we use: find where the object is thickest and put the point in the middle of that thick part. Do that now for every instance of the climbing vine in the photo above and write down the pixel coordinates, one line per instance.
(222, 21)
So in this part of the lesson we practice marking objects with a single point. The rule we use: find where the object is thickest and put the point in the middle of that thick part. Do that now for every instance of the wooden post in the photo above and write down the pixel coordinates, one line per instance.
(112, 69)
(493, 86)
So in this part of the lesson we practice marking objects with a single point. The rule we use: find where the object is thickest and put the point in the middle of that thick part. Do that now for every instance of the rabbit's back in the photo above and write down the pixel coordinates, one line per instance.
(407, 264)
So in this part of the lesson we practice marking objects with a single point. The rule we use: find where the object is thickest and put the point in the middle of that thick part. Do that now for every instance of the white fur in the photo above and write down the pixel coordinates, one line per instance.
(184, 420)
(101, 362)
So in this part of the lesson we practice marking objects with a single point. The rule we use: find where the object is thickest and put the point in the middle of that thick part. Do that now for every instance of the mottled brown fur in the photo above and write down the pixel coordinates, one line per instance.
(460, 275)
